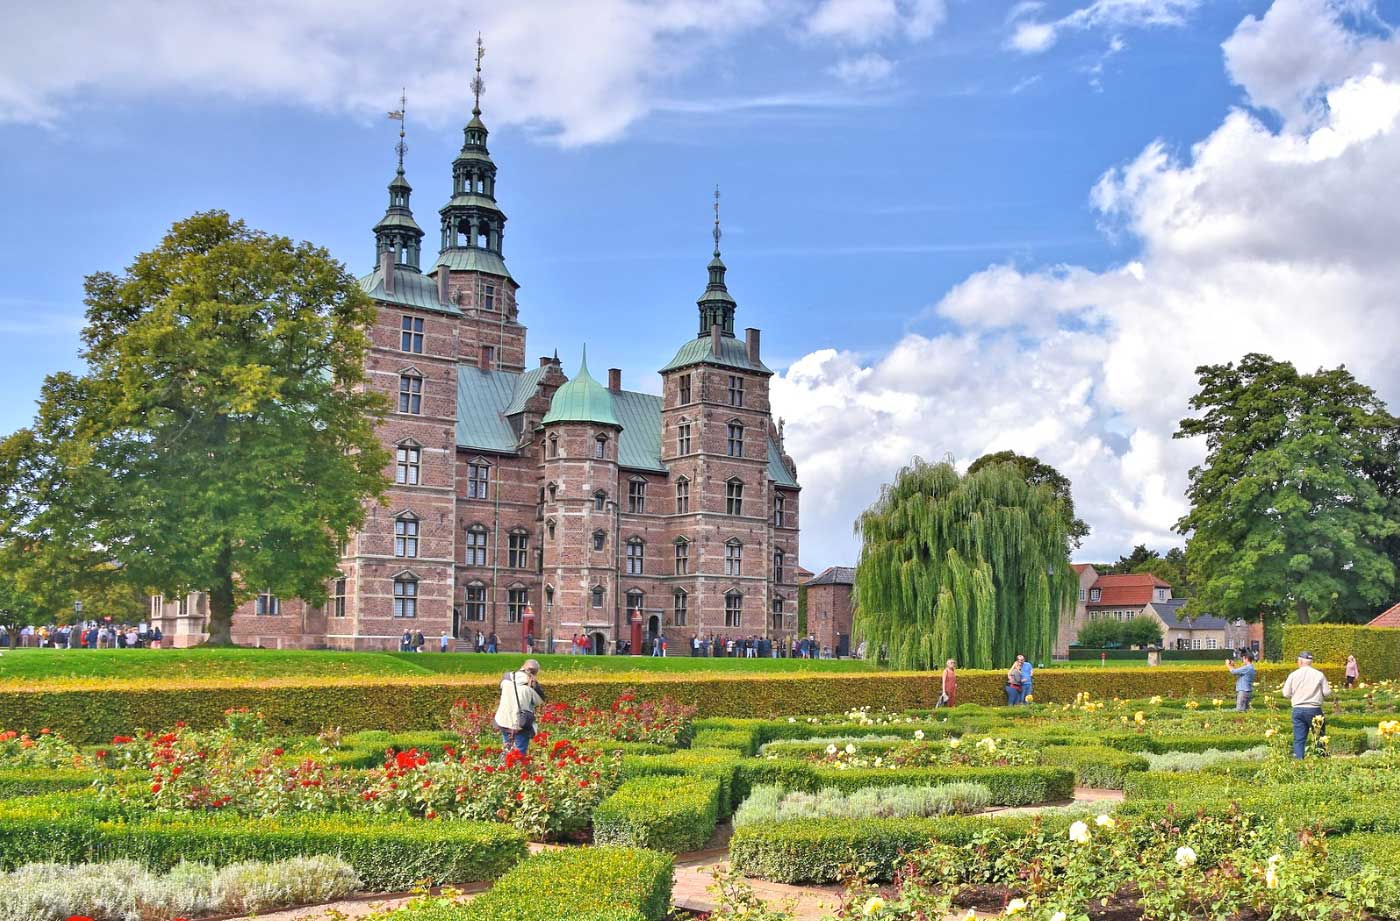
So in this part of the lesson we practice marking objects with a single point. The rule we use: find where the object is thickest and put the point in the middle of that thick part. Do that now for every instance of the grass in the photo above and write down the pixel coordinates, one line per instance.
(144, 664)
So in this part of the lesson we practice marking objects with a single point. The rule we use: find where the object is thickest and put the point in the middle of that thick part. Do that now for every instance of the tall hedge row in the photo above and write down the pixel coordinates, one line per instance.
(1377, 649)
(91, 711)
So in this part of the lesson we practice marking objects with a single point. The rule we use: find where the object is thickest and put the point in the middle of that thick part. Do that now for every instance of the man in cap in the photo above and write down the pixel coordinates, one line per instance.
(1305, 687)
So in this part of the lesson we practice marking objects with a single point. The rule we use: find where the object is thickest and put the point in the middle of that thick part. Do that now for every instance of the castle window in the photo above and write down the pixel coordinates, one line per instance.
(600, 447)
(736, 440)
(734, 610)
(410, 394)
(516, 601)
(685, 388)
(683, 438)
(411, 335)
(405, 596)
(778, 560)
(488, 352)
(553, 445)
(549, 527)
(478, 479)
(488, 297)
(599, 539)
(476, 545)
(406, 536)
(635, 600)
(637, 497)
(338, 592)
(733, 558)
(636, 551)
(682, 496)
(408, 465)
(519, 554)
(779, 510)
(267, 605)
(476, 602)
(549, 599)
(600, 501)
(736, 390)
(777, 613)
(682, 557)
(553, 492)
(734, 497)
(597, 596)
(679, 602)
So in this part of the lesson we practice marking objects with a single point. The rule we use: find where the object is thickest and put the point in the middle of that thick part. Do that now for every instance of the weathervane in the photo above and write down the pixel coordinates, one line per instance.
(398, 116)
(477, 84)
(716, 219)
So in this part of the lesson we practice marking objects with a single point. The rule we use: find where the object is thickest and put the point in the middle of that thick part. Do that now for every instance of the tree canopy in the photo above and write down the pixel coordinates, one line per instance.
(1170, 568)
(1295, 507)
(220, 438)
(1039, 473)
(1141, 630)
(973, 568)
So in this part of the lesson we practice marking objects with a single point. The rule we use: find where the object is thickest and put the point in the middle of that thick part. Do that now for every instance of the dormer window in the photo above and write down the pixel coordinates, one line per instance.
(600, 501)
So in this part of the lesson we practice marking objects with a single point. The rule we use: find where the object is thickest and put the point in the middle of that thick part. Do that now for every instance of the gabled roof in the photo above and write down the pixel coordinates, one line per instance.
(1126, 589)
(411, 289)
(473, 259)
(639, 446)
(1390, 617)
(482, 400)
(835, 575)
(1170, 612)
(732, 354)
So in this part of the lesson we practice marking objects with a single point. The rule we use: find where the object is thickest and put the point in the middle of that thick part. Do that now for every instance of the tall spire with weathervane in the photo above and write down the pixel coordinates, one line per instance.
(716, 304)
(397, 232)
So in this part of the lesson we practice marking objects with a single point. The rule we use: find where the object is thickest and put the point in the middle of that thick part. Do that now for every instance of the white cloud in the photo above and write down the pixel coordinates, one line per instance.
(865, 70)
(1259, 238)
(1032, 36)
(865, 22)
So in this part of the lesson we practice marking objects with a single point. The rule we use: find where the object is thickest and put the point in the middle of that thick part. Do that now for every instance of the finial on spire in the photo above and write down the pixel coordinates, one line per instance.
(398, 116)
(716, 219)
(477, 83)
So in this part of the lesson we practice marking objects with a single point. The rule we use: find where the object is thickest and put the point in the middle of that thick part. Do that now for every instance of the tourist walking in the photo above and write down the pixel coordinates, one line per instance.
(1305, 687)
(515, 714)
(405, 642)
(491, 642)
(1015, 680)
(1244, 680)
(948, 693)
(1353, 672)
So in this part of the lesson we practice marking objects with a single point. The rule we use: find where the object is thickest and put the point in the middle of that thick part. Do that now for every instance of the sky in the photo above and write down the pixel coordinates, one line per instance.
(962, 225)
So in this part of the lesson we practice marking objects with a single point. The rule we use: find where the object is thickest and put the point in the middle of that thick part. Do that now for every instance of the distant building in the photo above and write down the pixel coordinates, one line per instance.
(829, 609)
(1204, 631)
(1124, 596)
(1390, 617)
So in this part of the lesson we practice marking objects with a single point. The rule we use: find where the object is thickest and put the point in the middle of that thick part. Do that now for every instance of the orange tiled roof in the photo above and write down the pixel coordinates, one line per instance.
(1126, 589)
(1388, 618)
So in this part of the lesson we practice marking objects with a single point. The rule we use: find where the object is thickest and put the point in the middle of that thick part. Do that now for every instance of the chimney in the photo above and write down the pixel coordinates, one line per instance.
(545, 361)
(442, 275)
(751, 342)
(615, 380)
(716, 336)
(386, 264)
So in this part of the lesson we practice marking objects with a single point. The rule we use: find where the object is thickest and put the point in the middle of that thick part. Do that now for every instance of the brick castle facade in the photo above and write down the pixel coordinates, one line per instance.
(521, 498)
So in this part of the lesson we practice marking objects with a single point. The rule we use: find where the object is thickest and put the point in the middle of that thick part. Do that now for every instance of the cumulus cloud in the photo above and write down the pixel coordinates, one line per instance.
(1275, 238)
(865, 70)
(1031, 35)
(864, 22)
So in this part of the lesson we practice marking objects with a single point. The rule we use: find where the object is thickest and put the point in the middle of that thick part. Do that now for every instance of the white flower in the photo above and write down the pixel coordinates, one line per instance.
(1185, 857)
(1271, 877)
(850, 749)
(873, 905)
(792, 719)
(1058, 916)
(1103, 820)
(919, 734)
(1079, 833)
(1015, 906)
(831, 749)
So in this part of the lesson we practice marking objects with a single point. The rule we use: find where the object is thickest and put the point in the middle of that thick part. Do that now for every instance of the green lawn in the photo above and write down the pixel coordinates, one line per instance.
(129, 664)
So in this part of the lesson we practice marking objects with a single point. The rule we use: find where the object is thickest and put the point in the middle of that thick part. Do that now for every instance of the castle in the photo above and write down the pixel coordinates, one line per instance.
(523, 501)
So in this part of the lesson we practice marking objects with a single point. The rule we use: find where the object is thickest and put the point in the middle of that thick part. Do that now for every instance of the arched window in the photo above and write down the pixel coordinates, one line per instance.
(405, 596)
(636, 601)
(600, 446)
(549, 599)
(476, 545)
(406, 535)
(636, 551)
(736, 439)
(733, 558)
(597, 596)
(600, 501)
(600, 539)
(734, 609)
(778, 559)
(682, 556)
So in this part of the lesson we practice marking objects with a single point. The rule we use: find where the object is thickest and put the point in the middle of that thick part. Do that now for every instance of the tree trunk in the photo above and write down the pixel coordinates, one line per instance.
(221, 603)
(1300, 609)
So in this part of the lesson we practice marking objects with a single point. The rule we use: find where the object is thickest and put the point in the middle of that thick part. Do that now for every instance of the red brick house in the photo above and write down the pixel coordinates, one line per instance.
(521, 493)
(829, 609)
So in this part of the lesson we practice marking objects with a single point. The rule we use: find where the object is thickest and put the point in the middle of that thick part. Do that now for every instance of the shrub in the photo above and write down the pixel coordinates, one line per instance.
(773, 804)
(1377, 649)
(253, 887)
(579, 884)
(673, 814)
(1094, 765)
(1190, 762)
(34, 781)
(720, 764)
(1008, 786)
(739, 740)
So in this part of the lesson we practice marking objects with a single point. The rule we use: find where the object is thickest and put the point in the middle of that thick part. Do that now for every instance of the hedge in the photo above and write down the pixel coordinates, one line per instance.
(720, 765)
(37, 781)
(86, 710)
(829, 850)
(1009, 786)
(1377, 649)
(1094, 765)
(1087, 654)
(389, 855)
(1340, 741)
(672, 814)
(576, 884)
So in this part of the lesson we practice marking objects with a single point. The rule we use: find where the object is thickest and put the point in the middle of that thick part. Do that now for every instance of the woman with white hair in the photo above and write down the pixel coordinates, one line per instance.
(515, 715)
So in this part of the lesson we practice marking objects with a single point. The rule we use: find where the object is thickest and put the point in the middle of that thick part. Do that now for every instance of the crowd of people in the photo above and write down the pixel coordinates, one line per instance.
(89, 634)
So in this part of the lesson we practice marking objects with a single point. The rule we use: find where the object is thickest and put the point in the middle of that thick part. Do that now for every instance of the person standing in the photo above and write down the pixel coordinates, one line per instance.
(515, 714)
(948, 693)
(1353, 672)
(1305, 687)
(405, 642)
(444, 641)
(1015, 681)
(1026, 672)
(419, 641)
(1244, 680)
(491, 642)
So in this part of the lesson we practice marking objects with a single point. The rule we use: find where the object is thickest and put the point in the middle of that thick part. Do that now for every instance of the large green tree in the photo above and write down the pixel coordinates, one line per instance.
(1039, 473)
(221, 437)
(974, 568)
(1294, 511)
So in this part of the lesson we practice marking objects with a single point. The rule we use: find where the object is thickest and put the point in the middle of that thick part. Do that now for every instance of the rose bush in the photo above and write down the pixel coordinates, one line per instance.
(626, 719)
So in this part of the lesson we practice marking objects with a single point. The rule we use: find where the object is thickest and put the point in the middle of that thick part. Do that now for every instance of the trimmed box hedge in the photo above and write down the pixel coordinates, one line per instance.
(577, 884)
(1009, 786)
(672, 814)
(718, 764)
(1377, 649)
(1094, 765)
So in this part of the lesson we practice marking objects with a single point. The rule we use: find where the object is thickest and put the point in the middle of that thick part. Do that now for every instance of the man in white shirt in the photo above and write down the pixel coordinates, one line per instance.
(1305, 687)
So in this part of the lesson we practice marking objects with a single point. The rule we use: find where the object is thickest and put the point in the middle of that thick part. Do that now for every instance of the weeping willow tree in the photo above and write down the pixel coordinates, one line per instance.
(973, 568)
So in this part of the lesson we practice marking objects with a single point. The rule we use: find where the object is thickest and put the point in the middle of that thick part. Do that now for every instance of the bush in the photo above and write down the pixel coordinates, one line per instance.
(1377, 649)
(673, 814)
(1094, 765)
(1192, 762)
(578, 884)
(719, 764)
(773, 804)
(35, 781)
(740, 740)
(1008, 786)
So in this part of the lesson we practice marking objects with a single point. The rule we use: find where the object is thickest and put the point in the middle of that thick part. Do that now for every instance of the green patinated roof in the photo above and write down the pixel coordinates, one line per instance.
(639, 445)
(778, 471)
(411, 289)
(473, 259)
(471, 200)
(482, 400)
(732, 354)
(582, 400)
(524, 389)
(398, 219)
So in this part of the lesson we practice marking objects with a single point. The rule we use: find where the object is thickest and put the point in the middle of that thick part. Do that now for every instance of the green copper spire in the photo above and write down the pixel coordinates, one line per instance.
(582, 399)
(397, 232)
(716, 304)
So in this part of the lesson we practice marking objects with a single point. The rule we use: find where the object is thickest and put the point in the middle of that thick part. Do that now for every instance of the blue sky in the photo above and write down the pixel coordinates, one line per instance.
(915, 206)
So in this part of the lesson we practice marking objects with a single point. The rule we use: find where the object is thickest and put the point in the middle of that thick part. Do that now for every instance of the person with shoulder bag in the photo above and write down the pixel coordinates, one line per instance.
(515, 715)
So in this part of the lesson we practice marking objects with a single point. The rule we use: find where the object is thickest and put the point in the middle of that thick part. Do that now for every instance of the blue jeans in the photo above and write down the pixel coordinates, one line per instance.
(516, 740)
(1013, 695)
(1025, 691)
(1302, 723)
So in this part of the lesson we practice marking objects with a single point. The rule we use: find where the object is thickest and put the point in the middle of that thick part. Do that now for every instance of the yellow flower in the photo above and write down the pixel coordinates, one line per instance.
(873, 905)
(1015, 906)
(1156, 699)
(1030, 698)
(1191, 705)
(1270, 732)
(1139, 717)
(1103, 820)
